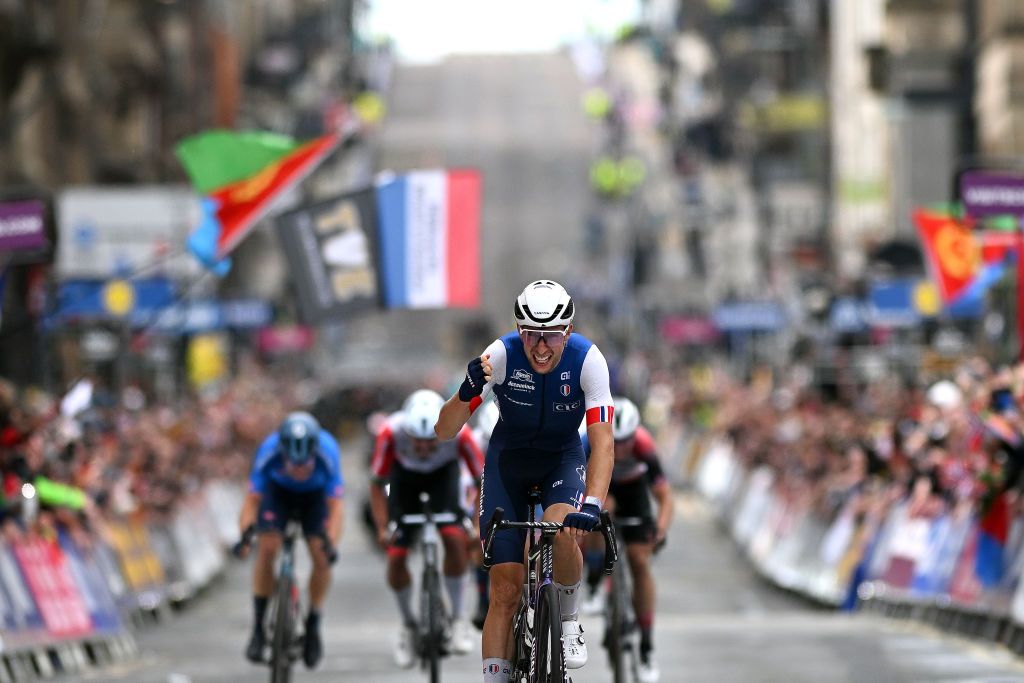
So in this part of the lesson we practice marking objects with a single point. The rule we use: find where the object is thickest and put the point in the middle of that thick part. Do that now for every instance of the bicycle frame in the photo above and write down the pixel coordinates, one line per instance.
(540, 570)
(432, 612)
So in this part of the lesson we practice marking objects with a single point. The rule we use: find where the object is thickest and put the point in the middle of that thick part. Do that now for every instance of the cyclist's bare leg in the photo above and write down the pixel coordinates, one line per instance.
(398, 572)
(455, 555)
(263, 568)
(506, 589)
(568, 558)
(320, 578)
(639, 555)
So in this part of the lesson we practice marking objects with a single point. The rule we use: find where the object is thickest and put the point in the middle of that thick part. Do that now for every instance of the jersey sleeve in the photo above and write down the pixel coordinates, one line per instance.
(470, 453)
(258, 473)
(646, 451)
(597, 392)
(499, 361)
(383, 454)
(332, 455)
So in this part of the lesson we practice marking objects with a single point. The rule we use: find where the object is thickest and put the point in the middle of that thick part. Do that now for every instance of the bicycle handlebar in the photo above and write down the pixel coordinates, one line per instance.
(497, 523)
(250, 532)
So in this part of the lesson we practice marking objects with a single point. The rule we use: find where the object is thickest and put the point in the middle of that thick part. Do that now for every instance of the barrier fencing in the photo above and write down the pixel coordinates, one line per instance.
(956, 570)
(68, 605)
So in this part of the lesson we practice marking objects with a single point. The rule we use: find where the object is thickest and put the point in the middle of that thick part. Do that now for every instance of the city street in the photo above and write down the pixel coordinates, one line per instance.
(717, 621)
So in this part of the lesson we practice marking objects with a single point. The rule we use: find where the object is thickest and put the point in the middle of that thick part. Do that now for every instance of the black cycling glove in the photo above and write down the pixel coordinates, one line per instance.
(475, 380)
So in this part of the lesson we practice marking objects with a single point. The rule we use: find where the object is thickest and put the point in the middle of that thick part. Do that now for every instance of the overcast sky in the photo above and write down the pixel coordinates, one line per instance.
(427, 30)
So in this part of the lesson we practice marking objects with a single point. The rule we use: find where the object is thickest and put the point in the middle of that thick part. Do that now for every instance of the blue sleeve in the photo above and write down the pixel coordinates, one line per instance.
(258, 474)
(331, 452)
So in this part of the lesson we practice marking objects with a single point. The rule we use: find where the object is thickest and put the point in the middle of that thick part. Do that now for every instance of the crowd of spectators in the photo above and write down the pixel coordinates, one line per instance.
(107, 454)
(951, 445)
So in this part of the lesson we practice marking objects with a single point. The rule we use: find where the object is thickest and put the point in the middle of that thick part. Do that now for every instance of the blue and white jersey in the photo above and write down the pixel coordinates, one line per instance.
(544, 411)
(270, 465)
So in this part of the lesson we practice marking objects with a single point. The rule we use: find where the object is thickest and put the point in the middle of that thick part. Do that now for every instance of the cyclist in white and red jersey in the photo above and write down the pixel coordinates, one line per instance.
(636, 477)
(409, 457)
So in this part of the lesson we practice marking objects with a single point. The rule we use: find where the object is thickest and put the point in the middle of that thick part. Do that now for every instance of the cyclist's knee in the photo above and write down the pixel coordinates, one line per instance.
(268, 546)
(506, 587)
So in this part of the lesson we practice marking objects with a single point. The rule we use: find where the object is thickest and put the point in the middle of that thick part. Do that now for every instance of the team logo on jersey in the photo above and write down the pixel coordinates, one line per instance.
(565, 375)
(565, 390)
(582, 471)
(522, 376)
(565, 407)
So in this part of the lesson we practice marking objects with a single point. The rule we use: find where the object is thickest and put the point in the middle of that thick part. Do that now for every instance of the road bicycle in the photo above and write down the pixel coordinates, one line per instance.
(285, 608)
(432, 629)
(537, 626)
(622, 634)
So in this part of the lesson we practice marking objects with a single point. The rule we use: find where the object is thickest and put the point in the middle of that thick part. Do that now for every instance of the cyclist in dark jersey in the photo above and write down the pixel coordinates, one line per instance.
(546, 379)
(636, 476)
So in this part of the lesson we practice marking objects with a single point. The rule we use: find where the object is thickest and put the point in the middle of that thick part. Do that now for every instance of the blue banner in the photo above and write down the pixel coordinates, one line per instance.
(92, 586)
(749, 316)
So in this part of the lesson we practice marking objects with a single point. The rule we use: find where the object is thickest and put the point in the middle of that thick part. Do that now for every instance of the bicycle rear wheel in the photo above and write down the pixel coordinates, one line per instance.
(432, 614)
(284, 631)
(615, 630)
(547, 659)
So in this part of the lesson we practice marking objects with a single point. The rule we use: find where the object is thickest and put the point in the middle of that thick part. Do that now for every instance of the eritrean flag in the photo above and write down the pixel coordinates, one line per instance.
(429, 223)
(241, 174)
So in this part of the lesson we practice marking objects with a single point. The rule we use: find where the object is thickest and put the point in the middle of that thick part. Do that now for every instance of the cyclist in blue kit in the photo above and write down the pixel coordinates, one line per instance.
(296, 474)
(545, 379)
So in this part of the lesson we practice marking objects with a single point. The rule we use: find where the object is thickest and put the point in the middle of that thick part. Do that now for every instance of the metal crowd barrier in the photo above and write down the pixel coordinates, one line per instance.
(945, 570)
(70, 605)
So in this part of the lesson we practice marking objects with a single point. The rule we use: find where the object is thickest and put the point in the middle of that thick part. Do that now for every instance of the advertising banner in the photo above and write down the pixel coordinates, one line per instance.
(22, 225)
(46, 572)
(331, 249)
(21, 613)
(110, 232)
(92, 586)
(992, 193)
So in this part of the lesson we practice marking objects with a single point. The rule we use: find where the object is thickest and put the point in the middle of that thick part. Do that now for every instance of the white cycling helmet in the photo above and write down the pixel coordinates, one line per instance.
(544, 303)
(420, 412)
(625, 419)
(487, 417)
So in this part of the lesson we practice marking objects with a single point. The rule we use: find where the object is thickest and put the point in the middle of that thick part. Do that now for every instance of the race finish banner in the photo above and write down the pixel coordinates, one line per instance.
(331, 249)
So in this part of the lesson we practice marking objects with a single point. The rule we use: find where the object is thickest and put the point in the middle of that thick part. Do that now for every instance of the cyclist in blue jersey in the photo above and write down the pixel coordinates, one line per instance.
(296, 474)
(546, 379)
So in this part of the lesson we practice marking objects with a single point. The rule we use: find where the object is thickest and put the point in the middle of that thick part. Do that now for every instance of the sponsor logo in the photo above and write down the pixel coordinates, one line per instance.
(565, 407)
(522, 376)
(518, 403)
(565, 390)
(519, 386)
(565, 375)
(557, 484)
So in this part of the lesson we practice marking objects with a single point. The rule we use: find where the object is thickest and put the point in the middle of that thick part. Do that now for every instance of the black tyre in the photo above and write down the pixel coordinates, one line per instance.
(548, 659)
(433, 621)
(284, 632)
(615, 629)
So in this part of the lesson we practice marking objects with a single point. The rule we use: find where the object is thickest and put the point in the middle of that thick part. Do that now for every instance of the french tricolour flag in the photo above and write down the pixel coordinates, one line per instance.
(430, 239)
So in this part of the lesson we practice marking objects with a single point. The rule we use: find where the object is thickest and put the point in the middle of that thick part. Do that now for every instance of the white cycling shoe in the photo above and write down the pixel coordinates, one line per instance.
(648, 672)
(403, 652)
(573, 644)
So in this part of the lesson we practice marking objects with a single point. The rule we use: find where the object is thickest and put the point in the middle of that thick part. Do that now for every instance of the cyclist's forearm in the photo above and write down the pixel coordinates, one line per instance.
(663, 497)
(335, 519)
(250, 508)
(454, 415)
(602, 459)
(378, 505)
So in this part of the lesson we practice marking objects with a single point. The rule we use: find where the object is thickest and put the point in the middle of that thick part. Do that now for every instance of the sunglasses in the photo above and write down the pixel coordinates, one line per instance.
(555, 339)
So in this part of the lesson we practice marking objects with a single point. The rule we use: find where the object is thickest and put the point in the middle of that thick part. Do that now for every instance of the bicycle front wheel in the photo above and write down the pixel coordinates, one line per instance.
(433, 618)
(547, 659)
(284, 630)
